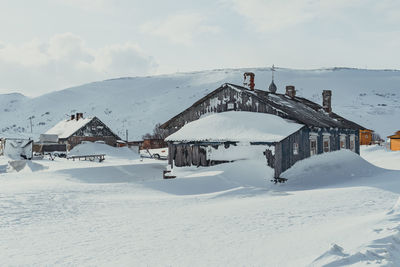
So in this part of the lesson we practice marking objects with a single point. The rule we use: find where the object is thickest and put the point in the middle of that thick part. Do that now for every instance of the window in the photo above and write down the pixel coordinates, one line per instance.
(295, 148)
(313, 144)
(352, 143)
(100, 127)
(342, 141)
(230, 106)
(326, 143)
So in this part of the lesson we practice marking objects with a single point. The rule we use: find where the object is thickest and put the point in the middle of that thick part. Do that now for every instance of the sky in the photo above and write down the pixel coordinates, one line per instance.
(48, 45)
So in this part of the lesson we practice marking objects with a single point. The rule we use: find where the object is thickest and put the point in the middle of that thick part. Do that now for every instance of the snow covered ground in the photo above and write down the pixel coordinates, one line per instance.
(336, 209)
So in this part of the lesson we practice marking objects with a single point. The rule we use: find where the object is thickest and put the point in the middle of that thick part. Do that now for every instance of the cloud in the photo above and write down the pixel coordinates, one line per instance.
(88, 5)
(65, 60)
(124, 60)
(275, 15)
(180, 29)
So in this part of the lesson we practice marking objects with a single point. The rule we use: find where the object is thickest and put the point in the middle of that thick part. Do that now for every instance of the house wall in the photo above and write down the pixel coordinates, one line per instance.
(395, 144)
(206, 154)
(285, 158)
(95, 130)
(365, 137)
(181, 155)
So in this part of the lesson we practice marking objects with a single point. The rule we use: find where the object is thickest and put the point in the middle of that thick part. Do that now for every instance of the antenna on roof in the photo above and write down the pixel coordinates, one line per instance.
(272, 71)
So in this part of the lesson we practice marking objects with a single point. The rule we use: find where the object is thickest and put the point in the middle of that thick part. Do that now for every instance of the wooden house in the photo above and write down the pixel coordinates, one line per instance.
(395, 141)
(320, 131)
(366, 137)
(77, 129)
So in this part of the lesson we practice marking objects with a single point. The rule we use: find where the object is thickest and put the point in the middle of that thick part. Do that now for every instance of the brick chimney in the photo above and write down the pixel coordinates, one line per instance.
(251, 83)
(327, 100)
(72, 117)
(79, 116)
(290, 91)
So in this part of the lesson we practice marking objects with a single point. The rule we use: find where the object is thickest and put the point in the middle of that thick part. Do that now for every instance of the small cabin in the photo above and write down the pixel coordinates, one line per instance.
(395, 141)
(77, 129)
(366, 137)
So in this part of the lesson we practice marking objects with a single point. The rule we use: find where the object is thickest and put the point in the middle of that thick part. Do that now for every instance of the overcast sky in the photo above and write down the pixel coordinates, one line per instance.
(48, 45)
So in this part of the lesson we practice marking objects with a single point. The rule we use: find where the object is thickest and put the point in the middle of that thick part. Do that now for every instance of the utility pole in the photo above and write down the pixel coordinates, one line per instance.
(126, 136)
(30, 119)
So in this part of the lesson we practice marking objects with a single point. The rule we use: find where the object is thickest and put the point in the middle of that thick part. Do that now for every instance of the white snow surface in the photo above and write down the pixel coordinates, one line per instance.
(66, 128)
(336, 209)
(92, 148)
(368, 97)
(236, 126)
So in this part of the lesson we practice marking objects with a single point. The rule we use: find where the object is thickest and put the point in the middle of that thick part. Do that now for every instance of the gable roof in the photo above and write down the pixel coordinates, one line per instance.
(299, 109)
(66, 128)
(241, 126)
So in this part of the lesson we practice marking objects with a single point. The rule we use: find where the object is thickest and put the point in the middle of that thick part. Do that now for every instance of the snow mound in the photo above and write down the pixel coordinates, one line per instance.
(329, 169)
(230, 178)
(117, 174)
(381, 156)
(396, 208)
(24, 166)
(97, 148)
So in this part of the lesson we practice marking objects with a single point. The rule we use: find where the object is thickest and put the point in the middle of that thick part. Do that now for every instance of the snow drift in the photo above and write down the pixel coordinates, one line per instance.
(90, 148)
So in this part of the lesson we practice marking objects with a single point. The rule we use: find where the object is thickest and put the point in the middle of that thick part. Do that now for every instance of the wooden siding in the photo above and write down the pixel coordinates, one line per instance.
(182, 155)
(284, 157)
(365, 137)
(394, 144)
(93, 131)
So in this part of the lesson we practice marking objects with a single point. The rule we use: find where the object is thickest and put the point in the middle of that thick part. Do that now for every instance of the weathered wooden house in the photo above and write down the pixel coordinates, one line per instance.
(395, 141)
(321, 129)
(77, 129)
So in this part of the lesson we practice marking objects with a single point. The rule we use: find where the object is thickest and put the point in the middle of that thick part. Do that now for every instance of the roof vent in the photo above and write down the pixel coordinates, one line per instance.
(290, 91)
(327, 100)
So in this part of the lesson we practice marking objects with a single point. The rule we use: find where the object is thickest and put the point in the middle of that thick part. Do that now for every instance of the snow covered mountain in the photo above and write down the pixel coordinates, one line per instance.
(368, 97)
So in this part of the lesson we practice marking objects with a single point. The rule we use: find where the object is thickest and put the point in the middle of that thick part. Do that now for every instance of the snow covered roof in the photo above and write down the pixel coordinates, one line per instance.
(66, 128)
(297, 109)
(236, 126)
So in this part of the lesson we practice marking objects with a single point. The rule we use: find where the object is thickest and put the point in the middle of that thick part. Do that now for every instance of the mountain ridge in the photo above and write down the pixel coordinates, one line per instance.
(368, 97)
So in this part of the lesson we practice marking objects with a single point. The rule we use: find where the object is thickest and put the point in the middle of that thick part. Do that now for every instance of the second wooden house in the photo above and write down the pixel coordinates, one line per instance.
(77, 129)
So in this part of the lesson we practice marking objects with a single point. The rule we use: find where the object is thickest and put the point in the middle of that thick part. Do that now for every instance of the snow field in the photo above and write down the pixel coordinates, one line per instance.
(336, 209)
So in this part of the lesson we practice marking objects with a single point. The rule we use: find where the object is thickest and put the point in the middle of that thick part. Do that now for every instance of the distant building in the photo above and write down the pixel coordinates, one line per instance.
(77, 129)
(152, 143)
(395, 141)
(366, 137)
(320, 130)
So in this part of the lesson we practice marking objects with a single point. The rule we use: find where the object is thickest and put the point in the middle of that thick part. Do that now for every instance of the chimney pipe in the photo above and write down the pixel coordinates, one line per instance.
(72, 117)
(327, 100)
(79, 116)
(251, 83)
(290, 91)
